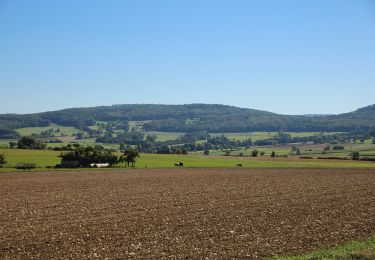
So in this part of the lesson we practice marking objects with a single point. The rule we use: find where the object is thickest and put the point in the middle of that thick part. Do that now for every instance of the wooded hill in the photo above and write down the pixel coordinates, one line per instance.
(194, 117)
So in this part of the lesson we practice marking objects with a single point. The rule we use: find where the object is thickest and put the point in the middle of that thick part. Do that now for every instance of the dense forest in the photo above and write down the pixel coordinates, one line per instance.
(193, 117)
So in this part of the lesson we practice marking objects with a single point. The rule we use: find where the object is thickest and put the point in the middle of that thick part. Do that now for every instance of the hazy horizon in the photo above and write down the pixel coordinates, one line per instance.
(308, 114)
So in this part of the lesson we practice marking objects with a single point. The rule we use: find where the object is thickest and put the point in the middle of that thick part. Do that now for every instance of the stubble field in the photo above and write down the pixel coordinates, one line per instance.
(183, 213)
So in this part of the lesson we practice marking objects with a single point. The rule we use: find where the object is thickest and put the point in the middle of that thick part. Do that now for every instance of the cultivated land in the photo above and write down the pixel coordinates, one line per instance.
(178, 213)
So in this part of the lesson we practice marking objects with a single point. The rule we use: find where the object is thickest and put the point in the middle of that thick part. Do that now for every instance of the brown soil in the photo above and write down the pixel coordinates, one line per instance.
(179, 213)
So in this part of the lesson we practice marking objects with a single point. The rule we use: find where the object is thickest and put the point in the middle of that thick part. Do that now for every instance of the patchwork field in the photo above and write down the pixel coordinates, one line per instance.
(255, 136)
(62, 130)
(314, 150)
(183, 213)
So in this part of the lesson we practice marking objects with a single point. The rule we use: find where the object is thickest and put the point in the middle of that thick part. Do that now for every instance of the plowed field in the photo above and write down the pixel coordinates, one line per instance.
(179, 213)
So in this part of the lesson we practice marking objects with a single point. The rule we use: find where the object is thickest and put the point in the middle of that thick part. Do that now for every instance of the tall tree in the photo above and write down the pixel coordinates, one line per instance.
(130, 156)
(254, 153)
(355, 156)
(2, 160)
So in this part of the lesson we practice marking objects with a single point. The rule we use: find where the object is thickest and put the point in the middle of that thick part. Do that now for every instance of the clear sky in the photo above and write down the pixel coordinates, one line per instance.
(291, 57)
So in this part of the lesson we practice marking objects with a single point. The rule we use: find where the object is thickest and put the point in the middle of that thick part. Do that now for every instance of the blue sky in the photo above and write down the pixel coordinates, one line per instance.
(291, 57)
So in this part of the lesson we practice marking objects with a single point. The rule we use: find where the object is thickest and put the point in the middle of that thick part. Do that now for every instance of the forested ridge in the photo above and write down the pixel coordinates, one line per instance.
(193, 117)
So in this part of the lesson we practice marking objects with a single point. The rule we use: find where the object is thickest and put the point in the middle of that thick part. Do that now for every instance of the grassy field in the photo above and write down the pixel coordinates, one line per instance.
(42, 158)
(4, 143)
(49, 158)
(350, 250)
(166, 161)
(255, 136)
(164, 136)
(69, 131)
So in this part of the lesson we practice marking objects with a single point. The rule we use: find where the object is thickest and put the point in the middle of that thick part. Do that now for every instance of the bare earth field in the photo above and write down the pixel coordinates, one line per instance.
(183, 213)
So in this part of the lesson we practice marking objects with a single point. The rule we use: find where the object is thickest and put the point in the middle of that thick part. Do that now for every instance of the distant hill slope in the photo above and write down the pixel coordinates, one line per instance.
(192, 117)
(362, 119)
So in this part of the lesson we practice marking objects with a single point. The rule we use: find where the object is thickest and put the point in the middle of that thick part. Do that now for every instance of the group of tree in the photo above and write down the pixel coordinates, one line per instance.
(186, 143)
(355, 156)
(130, 138)
(28, 142)
(253, 153)
(87, 155)
(51, 132)
(320, 138)
(334, 148)
(7, 133)
(295, 150)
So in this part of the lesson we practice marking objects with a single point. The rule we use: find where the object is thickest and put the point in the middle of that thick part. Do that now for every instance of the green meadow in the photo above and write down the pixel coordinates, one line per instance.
(44, 158)
(166, 161)
(164, 136)
(64, 130)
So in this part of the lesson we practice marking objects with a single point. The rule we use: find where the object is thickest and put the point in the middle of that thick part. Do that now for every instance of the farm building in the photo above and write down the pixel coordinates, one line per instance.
(99, 165)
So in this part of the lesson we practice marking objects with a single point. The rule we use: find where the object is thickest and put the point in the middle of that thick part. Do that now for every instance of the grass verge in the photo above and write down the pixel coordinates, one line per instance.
(364, 250)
